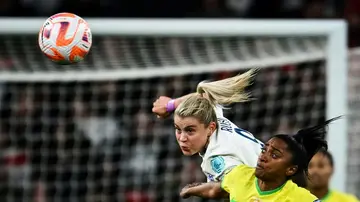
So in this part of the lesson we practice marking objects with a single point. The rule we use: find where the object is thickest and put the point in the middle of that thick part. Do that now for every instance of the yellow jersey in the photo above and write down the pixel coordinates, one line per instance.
(242, 185)
(335, 196)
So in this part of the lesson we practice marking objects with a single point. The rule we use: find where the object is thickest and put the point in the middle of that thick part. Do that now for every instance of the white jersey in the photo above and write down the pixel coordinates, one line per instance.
(228, 147)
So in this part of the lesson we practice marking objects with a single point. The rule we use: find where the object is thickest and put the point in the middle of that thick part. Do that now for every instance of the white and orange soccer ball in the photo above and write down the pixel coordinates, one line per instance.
(65, 38)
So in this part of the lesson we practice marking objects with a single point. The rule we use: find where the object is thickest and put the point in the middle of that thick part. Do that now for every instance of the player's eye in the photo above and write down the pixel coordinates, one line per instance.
(178, 131)
(274, 156)
(263, 150)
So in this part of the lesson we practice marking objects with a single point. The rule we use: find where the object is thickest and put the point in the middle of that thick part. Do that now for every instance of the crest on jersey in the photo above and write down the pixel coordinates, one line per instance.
(217, 164)
(255, 199)
(211, 178)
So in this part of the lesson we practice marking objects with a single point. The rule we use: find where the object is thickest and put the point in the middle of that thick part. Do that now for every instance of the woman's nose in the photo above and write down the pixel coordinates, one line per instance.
(263, 157)
(182, 137)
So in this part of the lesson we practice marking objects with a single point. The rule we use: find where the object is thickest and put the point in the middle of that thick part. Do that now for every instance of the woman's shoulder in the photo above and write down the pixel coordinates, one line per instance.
(244, 170)
(297, 192)
(239, 176)
(343, 196)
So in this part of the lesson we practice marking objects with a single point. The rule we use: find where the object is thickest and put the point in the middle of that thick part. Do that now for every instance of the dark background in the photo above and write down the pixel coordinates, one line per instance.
(283, 9)
(48, 153)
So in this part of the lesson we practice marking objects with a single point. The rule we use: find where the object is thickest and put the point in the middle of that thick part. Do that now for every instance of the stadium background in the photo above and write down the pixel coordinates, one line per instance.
(98, 141)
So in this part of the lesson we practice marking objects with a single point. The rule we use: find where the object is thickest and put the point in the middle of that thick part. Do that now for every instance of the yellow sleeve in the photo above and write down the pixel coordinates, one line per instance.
(351, 198)
(341, 196)
(228, 179)
(235, 177)
(308, 197)
(305, 196)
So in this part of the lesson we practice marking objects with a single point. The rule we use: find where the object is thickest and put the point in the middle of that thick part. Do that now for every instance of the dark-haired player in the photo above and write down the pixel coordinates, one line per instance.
(321, 168)
(279, 175)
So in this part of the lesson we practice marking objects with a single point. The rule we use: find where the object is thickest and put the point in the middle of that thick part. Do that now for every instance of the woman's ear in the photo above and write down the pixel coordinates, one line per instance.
(212, 127)
(291, 170)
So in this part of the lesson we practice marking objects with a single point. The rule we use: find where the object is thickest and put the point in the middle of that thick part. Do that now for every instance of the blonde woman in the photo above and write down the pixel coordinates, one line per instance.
(202, 129)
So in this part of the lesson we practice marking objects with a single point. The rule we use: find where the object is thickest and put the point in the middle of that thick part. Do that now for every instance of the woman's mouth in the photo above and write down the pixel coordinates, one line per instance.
(258, 166)
(184, 148)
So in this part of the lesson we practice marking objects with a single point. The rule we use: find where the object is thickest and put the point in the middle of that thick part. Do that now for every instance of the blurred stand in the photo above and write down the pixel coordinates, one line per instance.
(285, 9)
(88, 149)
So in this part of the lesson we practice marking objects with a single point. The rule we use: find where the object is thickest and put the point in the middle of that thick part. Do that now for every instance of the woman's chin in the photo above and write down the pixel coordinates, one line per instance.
(187, 153)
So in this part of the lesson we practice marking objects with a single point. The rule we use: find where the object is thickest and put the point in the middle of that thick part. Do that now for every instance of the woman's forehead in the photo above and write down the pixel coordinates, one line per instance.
(320, 157)
(277, 143)
(185, 121)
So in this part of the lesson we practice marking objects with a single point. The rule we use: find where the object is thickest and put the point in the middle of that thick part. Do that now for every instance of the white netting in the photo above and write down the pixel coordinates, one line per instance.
(144, 57)
(90, 135)
(354, 127)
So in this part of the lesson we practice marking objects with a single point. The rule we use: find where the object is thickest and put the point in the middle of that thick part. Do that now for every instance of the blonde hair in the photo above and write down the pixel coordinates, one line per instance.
(199, 108)
(227, 91)
(209, 94)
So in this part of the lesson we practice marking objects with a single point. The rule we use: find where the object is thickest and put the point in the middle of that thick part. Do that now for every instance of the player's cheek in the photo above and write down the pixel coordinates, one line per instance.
(311, 172)
(197, 141)
(178, 136)
(326, 176)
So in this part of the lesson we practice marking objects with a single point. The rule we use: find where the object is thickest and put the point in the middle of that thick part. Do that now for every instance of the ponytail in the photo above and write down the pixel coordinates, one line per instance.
(227, 91)
(313, 139)
(303, 146)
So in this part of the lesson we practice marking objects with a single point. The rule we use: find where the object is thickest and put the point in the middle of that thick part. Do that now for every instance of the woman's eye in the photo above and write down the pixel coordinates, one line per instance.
(274, 156)
(263, 150)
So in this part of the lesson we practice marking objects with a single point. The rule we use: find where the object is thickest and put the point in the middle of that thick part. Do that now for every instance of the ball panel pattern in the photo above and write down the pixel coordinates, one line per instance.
(65, 38)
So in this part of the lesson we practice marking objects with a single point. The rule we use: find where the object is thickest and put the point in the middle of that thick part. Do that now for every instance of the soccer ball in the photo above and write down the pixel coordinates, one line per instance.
(65, 38)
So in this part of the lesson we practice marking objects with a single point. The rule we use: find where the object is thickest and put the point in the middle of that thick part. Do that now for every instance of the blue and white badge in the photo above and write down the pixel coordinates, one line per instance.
(217, 164)
(211, 178)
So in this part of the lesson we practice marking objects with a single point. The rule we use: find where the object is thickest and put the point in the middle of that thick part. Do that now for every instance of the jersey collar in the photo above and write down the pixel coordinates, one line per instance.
(326, 196)
(209, 144)
(267, 192)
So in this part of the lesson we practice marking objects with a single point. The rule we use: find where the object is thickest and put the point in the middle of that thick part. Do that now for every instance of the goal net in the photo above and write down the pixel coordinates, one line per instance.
(353, 164)
(86, 133)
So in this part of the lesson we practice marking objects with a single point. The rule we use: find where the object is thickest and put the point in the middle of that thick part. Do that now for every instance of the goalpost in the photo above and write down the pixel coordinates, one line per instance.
(166, 54)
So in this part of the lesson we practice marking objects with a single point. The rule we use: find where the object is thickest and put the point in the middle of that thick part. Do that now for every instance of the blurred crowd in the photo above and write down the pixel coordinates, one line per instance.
(99, 142)
(285, 9)
(177, 8)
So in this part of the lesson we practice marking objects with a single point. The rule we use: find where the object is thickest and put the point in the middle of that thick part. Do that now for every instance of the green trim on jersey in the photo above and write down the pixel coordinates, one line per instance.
(261, 193)
(222, 185)
(326, 196)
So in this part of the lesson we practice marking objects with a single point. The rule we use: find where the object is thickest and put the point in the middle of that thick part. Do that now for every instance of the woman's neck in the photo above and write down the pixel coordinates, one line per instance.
(320, 192)
(203, 151)
(269, 186)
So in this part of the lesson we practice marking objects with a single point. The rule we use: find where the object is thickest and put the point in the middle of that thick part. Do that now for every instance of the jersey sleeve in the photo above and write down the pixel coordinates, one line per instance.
(250, 154)
(228, 180)
(221, 165)
(309, 198)
(305, 195)
(235, 177)
(249, 150)
(351, 198)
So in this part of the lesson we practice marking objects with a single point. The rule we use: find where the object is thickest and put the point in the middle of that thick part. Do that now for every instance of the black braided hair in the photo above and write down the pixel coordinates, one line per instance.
(304, 145)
